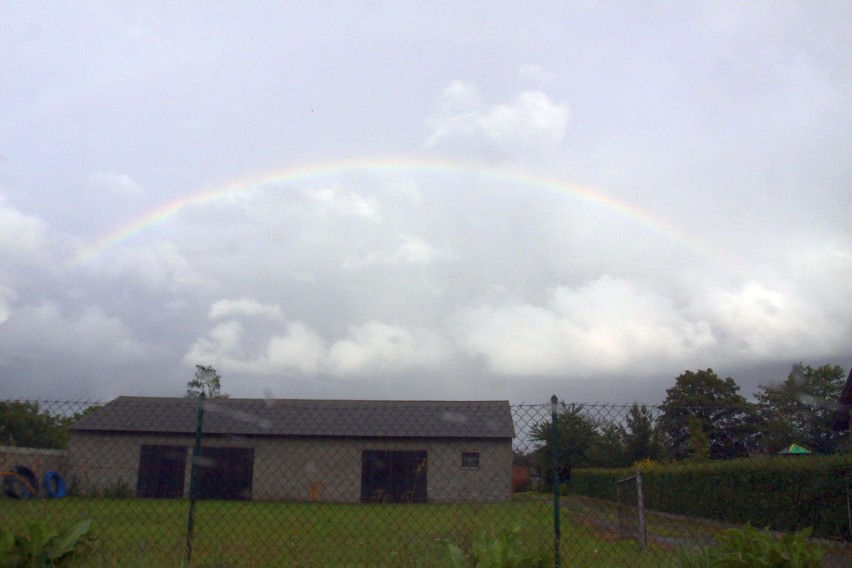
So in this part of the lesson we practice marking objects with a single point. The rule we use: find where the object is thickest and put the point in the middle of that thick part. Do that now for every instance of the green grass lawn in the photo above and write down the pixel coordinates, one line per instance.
(152, 533)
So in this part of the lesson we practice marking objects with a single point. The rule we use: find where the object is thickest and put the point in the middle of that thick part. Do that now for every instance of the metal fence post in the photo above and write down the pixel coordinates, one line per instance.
(554, 456)
(643, 532)
(196, 452)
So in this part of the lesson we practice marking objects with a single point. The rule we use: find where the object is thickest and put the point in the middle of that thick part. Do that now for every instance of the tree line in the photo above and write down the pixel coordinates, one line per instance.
(27, 424)
(702, 417)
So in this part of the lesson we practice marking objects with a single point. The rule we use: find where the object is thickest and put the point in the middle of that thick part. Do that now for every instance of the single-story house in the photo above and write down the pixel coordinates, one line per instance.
(321, 450)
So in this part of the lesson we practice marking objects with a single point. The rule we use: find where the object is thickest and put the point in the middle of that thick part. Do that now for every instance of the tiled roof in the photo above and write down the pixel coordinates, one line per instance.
(321, 418)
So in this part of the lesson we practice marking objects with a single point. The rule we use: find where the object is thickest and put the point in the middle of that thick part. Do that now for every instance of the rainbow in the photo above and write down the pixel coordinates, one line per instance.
(396, 165)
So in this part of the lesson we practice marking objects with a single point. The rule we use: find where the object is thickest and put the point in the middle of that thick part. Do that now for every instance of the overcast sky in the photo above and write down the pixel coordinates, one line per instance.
(499, 200)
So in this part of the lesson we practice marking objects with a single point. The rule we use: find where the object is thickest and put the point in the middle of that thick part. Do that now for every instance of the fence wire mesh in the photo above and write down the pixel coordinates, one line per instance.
(631, 509)
(238, 482)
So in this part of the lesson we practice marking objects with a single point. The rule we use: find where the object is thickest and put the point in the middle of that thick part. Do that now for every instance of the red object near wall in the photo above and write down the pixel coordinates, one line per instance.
(520, 476)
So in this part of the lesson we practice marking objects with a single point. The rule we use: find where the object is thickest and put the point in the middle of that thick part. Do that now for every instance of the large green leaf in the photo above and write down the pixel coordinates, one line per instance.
(66, 542)
(457, 557)
(39, 535)
(7, 547)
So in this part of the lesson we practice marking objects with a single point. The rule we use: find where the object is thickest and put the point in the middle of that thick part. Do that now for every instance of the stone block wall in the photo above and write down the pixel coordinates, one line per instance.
(300, 469)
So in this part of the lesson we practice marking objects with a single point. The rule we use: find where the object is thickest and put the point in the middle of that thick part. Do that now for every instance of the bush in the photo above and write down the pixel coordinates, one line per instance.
(504, 550)
(41, 545)
(750, 548)
(783, 493)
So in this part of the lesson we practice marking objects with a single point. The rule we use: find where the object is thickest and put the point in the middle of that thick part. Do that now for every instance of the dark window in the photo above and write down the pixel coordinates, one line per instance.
(225, 473)
(470, 460)
(161, 472)
(393, 476)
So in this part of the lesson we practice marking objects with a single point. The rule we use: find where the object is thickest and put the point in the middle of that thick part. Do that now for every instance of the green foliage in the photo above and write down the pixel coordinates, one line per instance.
(750, 548)
(784, 493)
(576, 434)
(800, 409)
(729, 421)
(151, 533)
(41, 545)
(24, 424)
(699, 443)
(585, 441)
(641, 438)
(207, 381)
(696, 558)
(489, 550)
(607, 447)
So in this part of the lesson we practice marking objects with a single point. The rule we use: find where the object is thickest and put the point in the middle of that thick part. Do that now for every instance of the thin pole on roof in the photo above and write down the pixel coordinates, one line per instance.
(193, 478)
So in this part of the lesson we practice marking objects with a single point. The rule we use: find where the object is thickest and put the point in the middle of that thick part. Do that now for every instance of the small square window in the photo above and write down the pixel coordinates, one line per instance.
(470, 460)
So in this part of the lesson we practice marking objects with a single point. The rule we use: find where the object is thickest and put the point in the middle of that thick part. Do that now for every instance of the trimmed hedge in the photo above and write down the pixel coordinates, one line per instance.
(782, 493)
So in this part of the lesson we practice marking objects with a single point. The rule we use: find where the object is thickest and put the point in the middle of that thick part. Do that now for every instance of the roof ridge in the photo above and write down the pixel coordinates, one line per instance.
(305, 417)
(317, 400)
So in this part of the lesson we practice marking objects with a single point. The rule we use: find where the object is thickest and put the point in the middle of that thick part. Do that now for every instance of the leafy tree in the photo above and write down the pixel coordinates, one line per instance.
(800, 409)
(67, 421)
(699, 443)
(607, 448)
(577, 432)
(641, 437)
(727, 419)
(589, 442)
(25, 424)
(207, 381)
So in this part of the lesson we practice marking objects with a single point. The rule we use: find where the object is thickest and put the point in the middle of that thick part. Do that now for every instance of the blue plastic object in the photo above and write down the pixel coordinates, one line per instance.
(54, 485)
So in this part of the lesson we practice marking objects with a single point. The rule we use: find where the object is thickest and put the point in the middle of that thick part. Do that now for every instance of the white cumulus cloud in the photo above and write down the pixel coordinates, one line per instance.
(222, 344)
(21, 235)
(159, 265)
(531, 121)
(608, 324)
(338, 201)
(47, 328)
(412, 250)
(300, 349)
(376, 347)
(243, 307)
(761, 321)
(373, 347)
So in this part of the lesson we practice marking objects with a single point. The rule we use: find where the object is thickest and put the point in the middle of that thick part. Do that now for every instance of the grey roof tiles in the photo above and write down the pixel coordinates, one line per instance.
(305, 418)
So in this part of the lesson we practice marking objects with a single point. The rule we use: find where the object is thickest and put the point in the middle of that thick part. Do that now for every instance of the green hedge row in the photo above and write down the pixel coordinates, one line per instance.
(783, 493)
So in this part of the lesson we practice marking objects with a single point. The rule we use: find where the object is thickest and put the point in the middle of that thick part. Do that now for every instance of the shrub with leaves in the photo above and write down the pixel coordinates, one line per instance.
(752, 548)
(645, 464)
(41, 546)
(489, 550)
(786, 494)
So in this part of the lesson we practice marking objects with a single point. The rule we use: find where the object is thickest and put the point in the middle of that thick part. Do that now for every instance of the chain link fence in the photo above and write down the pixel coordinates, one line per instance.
(237, 482)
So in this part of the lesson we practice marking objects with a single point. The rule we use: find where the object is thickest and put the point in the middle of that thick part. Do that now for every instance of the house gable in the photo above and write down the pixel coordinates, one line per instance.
(341, 451)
